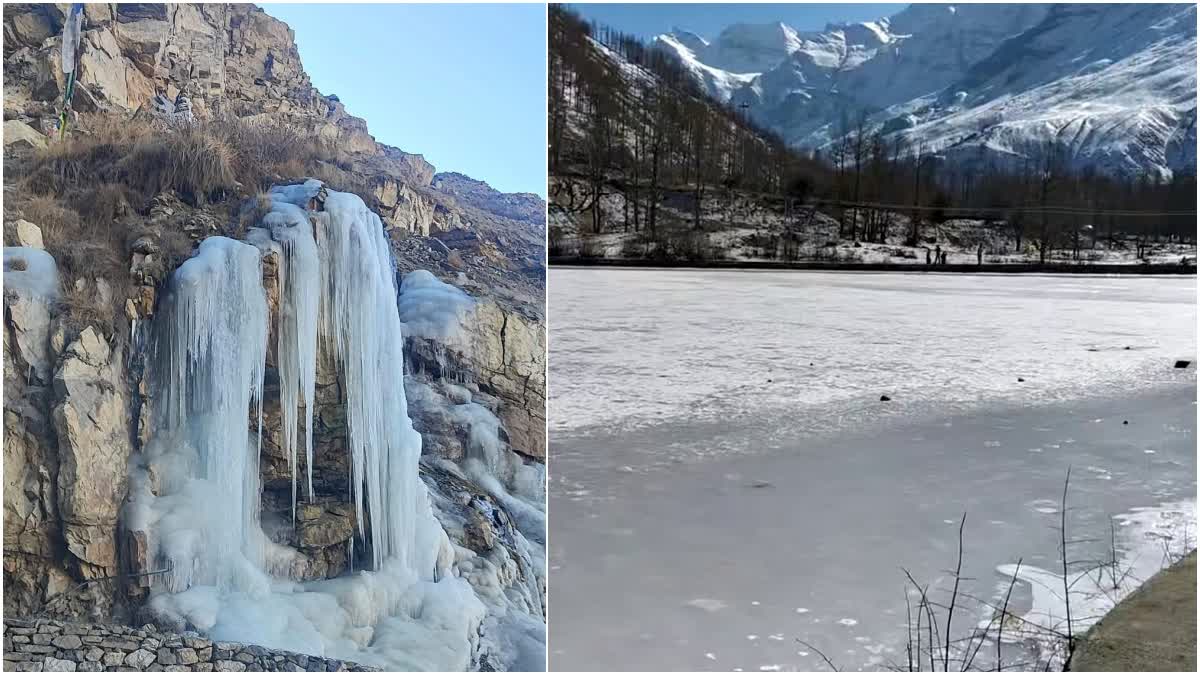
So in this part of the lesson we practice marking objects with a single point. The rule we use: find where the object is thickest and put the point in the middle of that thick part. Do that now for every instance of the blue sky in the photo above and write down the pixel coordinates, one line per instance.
(648, 20)
(463, 85)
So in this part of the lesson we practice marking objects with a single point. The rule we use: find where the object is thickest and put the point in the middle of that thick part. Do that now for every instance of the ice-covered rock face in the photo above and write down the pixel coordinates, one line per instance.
(433, 309)
(196, 494)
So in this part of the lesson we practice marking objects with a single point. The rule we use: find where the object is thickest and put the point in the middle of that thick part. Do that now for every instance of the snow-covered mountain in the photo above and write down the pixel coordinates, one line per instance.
(1113, 85)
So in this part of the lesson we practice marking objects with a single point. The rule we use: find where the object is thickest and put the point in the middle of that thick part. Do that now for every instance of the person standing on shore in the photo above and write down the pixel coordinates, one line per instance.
(979, 254)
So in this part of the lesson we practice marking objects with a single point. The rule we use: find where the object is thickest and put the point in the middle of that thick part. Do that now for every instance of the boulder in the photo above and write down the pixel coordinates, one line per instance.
(31, 28)
(140, 659)
(28, 234)
(19, 135)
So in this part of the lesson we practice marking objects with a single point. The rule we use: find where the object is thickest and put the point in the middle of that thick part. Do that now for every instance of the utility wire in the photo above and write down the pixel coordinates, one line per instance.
(1061, 210)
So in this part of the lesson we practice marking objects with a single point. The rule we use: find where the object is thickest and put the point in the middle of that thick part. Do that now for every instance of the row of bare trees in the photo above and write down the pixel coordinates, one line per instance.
(640, 125)
(626, 118)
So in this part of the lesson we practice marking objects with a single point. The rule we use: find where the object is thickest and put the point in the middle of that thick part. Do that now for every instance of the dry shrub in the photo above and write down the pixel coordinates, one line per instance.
(251, 214)
(175, 247)
(82, 305)
(83, 251)
(268, 151)
(78, 246)
(89, 259)
(99, 206)
(60, 226)
(86, 158)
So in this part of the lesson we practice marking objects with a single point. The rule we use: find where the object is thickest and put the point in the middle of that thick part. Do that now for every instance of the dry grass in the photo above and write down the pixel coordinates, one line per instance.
(202, 163)
(101, 205)
(84, 193)
(80, 247)
(86, 301)
(268, 152)
(197, 165)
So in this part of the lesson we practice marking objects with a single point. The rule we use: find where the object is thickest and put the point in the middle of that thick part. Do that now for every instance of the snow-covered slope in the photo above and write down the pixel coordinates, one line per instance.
(1115, 85)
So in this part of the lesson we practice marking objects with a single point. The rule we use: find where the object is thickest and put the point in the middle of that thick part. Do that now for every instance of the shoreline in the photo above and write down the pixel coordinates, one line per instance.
(1152, 629)
(986, 268)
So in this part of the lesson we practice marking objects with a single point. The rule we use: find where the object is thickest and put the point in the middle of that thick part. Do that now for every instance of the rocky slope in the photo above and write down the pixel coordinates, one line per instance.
(77, 394)
(1114, 84)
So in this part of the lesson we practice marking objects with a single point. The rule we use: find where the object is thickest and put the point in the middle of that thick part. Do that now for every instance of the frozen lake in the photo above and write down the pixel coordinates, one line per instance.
(725, 480)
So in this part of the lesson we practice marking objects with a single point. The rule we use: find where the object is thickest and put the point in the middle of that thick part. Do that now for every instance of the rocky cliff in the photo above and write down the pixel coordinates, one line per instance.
(78, 399)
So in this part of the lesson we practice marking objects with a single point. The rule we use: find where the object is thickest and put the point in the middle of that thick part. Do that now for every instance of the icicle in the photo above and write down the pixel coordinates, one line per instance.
(359, 317)
(300, 289)
(211, 341)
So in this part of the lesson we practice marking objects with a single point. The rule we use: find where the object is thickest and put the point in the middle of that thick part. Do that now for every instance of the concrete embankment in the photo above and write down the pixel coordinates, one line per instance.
(1153, 630)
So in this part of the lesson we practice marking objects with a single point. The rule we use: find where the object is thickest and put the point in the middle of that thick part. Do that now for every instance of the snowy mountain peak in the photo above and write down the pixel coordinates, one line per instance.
(1115, 84)
(689, 39)
(752, 48)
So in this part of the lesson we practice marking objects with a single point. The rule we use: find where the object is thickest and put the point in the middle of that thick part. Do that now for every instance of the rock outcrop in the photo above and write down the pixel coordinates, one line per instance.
(91, 421)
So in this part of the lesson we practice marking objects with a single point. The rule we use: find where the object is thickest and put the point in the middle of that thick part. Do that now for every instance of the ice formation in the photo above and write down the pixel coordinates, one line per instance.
(211, 349)
(290, 234)
(431, 308)
(195, 486)
(1144, 550)
(518, 485)
(30, 272)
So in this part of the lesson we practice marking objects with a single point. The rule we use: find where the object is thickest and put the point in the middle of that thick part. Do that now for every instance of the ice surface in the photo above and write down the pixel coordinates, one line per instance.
(667, 372)
(639, 347)
(195, 488)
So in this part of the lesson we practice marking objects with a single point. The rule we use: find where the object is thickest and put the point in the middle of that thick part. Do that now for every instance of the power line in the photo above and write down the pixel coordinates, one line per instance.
(1055, 210)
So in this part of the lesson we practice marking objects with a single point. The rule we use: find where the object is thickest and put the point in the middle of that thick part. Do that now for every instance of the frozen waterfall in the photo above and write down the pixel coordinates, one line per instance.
(196, 486)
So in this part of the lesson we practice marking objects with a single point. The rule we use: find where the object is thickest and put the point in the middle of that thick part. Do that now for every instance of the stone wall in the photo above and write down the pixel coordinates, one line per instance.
(53, 646)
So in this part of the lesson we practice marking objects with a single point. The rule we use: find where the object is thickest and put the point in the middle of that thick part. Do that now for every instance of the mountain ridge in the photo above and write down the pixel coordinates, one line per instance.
(1115, 83)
